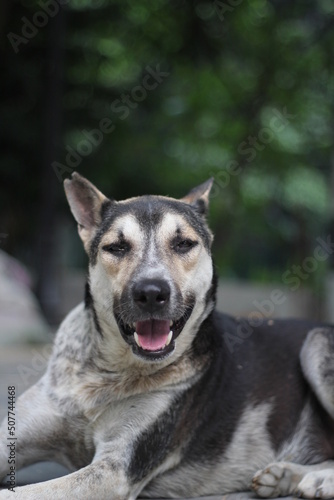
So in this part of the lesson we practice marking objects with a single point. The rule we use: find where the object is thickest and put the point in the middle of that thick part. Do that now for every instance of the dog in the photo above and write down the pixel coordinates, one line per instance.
(142, 396)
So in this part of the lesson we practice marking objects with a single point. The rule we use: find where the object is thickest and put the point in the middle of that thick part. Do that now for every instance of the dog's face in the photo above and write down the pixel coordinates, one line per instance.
(150, 266)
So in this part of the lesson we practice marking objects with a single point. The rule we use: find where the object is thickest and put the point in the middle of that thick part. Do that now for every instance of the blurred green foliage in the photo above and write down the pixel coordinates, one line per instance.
(249, 99)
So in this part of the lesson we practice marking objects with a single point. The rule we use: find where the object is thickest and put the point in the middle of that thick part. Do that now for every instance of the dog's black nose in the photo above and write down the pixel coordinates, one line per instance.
(151, 295)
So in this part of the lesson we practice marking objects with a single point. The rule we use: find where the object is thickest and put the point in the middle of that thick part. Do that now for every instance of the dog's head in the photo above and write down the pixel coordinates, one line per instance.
(150, 266)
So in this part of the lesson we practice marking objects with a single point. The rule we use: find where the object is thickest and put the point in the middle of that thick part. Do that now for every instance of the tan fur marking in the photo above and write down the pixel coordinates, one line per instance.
(120, 270)
(179, 265)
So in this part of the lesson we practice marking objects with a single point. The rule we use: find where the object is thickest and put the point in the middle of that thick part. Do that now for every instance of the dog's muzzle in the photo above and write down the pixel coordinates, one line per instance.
(152, 329)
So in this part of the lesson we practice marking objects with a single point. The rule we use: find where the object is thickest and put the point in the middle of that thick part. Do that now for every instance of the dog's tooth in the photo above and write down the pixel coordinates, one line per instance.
(134, 325)
(136, 339)
(170, 323)
(169, 338)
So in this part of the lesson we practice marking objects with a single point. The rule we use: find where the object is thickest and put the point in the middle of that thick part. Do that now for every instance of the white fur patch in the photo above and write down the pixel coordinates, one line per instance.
(123, 421)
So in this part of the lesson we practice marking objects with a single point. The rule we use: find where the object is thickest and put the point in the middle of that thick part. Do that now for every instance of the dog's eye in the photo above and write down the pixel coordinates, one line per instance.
(183, 246)
(119, 248)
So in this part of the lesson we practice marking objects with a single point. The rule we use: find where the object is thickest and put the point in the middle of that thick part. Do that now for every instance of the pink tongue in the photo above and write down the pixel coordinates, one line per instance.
(153, 333)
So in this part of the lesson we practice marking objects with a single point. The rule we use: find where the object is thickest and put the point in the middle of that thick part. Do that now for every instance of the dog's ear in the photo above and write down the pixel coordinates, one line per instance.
(85, 201)
(199, 197)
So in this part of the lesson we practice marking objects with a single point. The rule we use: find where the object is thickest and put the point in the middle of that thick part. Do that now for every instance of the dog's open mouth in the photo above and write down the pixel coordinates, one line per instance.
(153, 338)
(153, 334)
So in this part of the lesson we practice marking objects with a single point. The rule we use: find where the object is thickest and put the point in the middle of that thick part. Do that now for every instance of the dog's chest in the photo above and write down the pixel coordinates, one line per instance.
(124, 421)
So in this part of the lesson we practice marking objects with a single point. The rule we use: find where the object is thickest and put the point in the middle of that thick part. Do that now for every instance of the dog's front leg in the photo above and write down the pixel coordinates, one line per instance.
(101, 479)
(37, 425)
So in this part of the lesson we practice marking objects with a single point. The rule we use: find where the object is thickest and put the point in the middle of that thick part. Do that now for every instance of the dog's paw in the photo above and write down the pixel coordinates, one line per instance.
(273, 481)
(317, 484)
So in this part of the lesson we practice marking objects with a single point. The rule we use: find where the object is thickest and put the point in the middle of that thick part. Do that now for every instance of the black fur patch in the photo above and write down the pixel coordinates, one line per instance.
(212, 292)
(89, 305)
(155, 443)
(218, 399)
(201, 207)
(265, 367)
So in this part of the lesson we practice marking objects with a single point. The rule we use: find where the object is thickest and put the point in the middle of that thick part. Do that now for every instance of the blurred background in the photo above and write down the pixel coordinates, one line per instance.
(155, 97)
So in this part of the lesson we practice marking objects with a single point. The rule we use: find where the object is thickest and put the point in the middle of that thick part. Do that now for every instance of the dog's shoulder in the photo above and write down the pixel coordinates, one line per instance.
(259, 363)
(74, 337)
(254, 337)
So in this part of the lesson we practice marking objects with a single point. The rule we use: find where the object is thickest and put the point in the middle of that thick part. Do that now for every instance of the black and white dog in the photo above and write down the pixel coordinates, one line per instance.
(141, 395)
